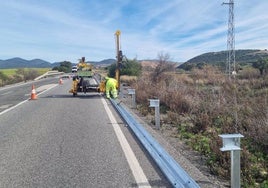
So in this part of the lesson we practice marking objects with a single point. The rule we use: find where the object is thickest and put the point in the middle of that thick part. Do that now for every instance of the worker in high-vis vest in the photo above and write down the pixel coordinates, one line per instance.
(111, 87)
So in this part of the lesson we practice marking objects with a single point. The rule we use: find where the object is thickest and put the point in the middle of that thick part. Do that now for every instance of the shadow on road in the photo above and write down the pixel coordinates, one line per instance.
(79, 96)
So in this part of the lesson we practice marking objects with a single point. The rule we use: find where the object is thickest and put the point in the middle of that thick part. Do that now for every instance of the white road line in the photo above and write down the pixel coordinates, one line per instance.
(135, 167)
(5, 106)
(6, 93)
(11, 108)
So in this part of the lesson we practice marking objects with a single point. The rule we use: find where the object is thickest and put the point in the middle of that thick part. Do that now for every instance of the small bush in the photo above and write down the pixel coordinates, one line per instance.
(129, 80)
(249, 73)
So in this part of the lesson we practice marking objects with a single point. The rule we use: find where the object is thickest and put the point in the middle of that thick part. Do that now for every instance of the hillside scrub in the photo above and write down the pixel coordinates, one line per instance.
(204, 104)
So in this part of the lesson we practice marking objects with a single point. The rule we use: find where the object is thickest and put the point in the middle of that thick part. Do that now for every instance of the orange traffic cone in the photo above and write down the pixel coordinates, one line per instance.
(33, 94)
(61, 81)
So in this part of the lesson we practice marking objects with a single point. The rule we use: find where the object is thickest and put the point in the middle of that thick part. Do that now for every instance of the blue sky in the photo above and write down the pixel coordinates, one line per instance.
(58, 30)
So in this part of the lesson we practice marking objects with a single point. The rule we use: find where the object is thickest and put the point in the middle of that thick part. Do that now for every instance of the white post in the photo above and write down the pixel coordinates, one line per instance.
(231, 142)
(133, 96)
(235, 168)
(155, 103)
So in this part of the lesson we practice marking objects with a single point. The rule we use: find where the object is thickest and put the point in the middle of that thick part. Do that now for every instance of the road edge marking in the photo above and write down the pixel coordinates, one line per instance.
(133, 162)
(11, 108)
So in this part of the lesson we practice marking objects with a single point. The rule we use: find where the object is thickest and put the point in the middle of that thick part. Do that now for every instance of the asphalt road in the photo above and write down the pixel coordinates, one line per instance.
(14, 94)
(63, 141)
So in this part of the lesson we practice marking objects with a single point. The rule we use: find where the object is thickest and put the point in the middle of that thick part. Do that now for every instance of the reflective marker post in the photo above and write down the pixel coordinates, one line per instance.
(231, 142)
(133, 96)
(155, 103)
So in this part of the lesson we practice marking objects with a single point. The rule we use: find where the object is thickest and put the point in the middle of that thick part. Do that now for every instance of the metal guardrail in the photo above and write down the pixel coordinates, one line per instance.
(49, 73)
(172, 170)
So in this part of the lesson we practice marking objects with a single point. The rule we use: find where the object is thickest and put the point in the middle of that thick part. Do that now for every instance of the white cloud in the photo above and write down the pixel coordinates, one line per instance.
(66, 30)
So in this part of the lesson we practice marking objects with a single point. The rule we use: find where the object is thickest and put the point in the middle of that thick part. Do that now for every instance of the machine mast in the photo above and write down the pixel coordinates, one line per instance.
(119, 57)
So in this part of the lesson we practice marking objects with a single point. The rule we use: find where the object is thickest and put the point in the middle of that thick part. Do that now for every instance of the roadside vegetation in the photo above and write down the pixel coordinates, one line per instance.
(130, 67)
(65, 66)
(203, 103)
(11, 76)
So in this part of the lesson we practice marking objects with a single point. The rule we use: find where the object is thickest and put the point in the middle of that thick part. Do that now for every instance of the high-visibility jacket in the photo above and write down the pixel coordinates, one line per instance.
(110, 87)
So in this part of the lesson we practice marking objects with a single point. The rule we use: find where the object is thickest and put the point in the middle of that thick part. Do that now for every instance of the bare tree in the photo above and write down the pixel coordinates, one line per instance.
(164, 65)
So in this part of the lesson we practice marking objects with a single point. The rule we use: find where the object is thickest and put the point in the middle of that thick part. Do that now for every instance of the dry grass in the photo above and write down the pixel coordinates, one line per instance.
(202, 105)
(129, 80)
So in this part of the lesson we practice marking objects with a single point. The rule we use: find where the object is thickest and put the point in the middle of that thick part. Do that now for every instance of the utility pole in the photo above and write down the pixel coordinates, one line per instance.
(230, 61)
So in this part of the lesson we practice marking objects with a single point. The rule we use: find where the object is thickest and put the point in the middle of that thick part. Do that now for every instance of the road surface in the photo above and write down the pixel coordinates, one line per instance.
(63, 141)
(14, 94)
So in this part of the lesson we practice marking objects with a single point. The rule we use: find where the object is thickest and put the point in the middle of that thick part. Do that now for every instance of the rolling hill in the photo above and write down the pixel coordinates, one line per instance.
(243, 57)
(39, 63)
(103, 63)
(22, 63)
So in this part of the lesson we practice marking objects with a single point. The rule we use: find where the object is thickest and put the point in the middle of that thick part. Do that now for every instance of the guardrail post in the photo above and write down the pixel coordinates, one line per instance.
(155, 103)
(231, 142)
(133, 96)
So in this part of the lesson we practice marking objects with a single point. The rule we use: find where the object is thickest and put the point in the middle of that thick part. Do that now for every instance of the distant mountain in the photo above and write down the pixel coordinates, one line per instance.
(242, 57)
(22, 63)
(39, 63)
(103, 63)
